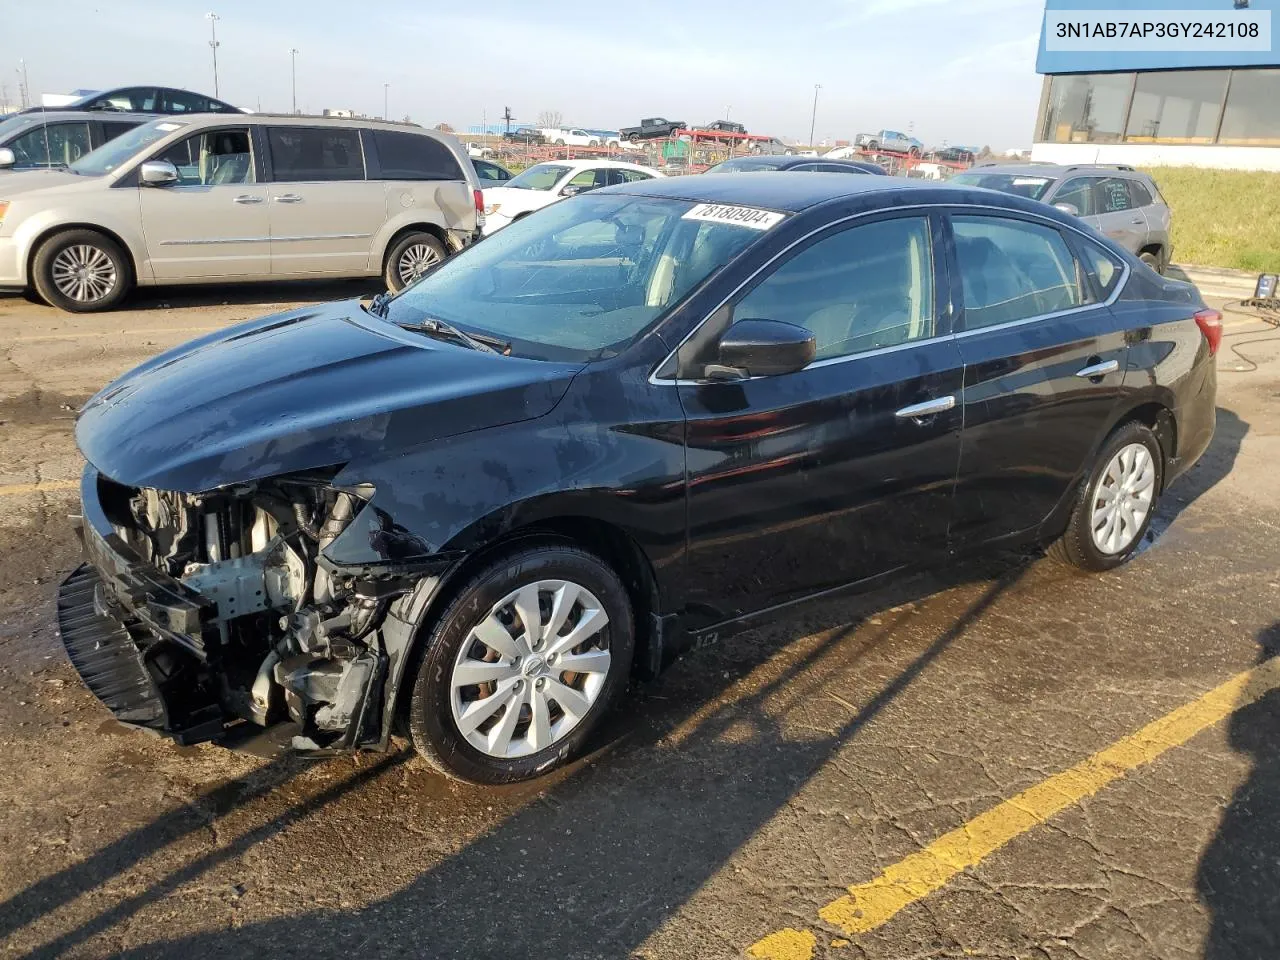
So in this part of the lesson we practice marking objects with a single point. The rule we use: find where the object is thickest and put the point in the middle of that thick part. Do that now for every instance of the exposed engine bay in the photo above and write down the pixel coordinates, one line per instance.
(284, 634)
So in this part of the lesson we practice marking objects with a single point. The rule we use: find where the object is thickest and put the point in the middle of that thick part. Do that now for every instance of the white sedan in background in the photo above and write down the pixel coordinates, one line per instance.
(545, 183)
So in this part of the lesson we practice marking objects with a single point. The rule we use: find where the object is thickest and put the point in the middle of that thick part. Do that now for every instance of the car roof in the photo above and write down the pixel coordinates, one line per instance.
(289, 120)
(776, 190)
(592, 164)
(1053, 170)
(62, 116)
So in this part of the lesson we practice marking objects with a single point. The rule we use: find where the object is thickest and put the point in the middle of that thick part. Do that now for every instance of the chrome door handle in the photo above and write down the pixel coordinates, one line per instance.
(248, 199)
(1098, 370)
(1137, 222)
(927, 409)
(288, 198)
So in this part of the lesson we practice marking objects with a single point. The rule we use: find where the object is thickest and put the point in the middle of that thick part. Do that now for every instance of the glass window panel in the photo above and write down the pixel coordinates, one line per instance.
(1013, 270)
(1087, 107)
(1253, 109)
(1176, 106)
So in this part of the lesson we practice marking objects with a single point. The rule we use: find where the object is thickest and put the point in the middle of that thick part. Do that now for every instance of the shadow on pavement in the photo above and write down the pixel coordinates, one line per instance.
(611, 851)
(1212, 468)
(1238, 880)
(232, 294)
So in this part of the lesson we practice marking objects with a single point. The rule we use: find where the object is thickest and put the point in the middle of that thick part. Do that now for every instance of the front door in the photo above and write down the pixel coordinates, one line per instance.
(1044, 363)
(324, 213)
(213, 222)
(845, 469)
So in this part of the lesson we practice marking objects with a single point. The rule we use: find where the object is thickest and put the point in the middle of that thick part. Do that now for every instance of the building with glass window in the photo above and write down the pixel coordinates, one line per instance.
(1149, 107)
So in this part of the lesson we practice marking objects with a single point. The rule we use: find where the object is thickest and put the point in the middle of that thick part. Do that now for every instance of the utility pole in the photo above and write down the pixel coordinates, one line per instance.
(506, 116)
(386, 95)
(293, 57)
(726, 110)
(24, 87)
(213, 44)
(813, 120)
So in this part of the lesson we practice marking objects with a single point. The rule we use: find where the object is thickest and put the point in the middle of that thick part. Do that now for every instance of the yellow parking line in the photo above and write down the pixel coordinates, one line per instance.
(43, 486)
(869, 905)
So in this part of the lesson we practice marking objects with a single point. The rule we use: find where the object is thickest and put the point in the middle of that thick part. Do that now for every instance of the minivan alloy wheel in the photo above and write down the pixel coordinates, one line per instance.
(83, 273)
(415, 261)
(530, 669)
(1122, 498)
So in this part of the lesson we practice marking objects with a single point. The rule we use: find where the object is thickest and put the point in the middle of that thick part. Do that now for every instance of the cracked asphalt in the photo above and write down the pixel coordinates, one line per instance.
(734, 798)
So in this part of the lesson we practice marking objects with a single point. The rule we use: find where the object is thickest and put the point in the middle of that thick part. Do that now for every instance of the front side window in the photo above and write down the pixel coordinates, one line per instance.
(308, 154)
(55, 144)
(1013, 270)
(416, 156)
(212, 158)
(1111, 195)
(1080, 194)
(1176, 106)
(541, 176)
(581, 280)
(110, 156)
(860, 289)
(142, 99)
(1087, 108)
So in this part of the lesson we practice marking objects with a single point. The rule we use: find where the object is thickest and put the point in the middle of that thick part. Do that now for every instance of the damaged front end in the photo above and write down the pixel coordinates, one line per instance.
(218, 616)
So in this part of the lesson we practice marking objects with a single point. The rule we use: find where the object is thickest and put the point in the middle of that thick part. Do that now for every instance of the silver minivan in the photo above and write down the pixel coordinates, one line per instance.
(222, 198)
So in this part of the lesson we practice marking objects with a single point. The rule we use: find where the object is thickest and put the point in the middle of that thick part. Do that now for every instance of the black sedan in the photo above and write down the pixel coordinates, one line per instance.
(802, 164)
(639, 419)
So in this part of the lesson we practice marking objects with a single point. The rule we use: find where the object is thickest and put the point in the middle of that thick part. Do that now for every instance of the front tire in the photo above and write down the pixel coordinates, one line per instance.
(409, 258)
(81, 271)
(522, 665)
(1115, 505)
(1152, 260)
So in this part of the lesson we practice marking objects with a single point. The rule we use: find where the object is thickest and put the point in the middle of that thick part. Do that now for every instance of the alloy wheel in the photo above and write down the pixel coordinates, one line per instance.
(83, 273)
(1122, 498)
(415, 261)
(531, 669)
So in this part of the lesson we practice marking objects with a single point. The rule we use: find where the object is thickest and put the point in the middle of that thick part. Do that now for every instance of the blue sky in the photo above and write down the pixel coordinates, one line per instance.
(961, 71)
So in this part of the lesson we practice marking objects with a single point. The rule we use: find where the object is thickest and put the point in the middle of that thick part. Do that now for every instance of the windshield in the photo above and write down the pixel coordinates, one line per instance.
(112, 154)
(1033, 188)
(542, 176)
(745, 165)
(580, 280)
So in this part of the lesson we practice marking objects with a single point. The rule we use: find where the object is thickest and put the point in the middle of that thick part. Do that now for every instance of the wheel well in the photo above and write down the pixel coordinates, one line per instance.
(1159, 418)
(63, 228)
(430, 228)
(1156, 248)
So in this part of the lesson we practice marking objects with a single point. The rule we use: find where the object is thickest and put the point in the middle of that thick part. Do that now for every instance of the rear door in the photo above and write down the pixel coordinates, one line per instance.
(1117, 216)
(324, 212)
(213, 221)
(843, 470)
(1044, 362)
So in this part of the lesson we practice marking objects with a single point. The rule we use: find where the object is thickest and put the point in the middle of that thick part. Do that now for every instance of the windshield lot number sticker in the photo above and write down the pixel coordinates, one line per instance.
(736, 216)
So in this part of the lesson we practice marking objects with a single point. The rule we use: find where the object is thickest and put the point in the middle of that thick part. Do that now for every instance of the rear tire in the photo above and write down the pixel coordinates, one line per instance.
(476, 669)
(1115, 504)
(410, 257)
(81, 271)
(874, 146)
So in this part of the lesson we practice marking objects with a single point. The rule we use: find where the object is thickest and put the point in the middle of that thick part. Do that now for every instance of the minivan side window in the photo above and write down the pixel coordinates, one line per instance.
(413, 156)
(1111, 195)
(1013, 270)
(859, 289)
(305, 154)
(1078, 193)
(212, 158)
(55, 143)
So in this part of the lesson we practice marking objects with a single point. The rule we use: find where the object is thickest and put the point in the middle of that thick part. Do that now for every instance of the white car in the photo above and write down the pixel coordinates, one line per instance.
(475, 150)
(571, 136)
(544, 183)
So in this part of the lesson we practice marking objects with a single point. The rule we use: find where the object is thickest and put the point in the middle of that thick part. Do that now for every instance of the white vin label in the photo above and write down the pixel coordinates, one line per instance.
(737, 216)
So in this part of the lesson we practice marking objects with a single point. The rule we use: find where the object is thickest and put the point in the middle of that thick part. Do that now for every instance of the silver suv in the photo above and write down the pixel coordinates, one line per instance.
(1117, 201)
(221, 197)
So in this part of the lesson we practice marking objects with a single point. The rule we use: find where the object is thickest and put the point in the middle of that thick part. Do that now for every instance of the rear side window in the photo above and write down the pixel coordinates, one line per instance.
(411, 156)
(304, 154)
(113, 128)
(1111, 195)
(180, 101)
(860, 289)
(634, 176)
(1101, 267)
(1139, 194)
(1013, 270)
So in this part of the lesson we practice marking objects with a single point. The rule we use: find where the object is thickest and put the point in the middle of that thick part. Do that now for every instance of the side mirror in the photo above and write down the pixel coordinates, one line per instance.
(764, 348)
(7, 158)
(158, 173)
(573, 189)
(1070, 208)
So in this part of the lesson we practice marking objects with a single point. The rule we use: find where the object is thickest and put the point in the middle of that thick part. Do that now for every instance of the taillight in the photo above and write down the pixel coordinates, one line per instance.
(477, 196)
(1210, 324)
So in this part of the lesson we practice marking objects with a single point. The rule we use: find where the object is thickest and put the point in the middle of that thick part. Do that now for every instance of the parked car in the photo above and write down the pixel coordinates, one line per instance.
(525, 135)
(1118, 201)
(57, 139)
(772, 147)
(801, 164)
(639, 421)
(229, 198)
(544, 183)
(651, 128)
(889, 141)
(147, 99)
(955, 154)
(570, 136)
(491, 174)
(478, 150)
(723, 126)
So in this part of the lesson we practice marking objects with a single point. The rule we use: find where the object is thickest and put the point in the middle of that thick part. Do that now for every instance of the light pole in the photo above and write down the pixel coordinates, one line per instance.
(813, 120)
(26, 85)
(293, 58)
(386, 93)
(213, 19)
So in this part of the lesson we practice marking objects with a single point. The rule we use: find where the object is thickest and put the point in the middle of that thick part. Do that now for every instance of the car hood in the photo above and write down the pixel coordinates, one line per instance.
(513, 199)
(19, 182)
(310, 388)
